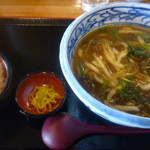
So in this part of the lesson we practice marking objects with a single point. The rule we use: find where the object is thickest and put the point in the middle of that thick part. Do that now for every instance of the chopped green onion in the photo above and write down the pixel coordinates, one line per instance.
(127, 80)
(129, 91)
(124, 94)
(116, 34)
(147, 67)
(103, 30)
(80, 69)
(146, 47)
(103, 89)
(137, 51)
(104, 86)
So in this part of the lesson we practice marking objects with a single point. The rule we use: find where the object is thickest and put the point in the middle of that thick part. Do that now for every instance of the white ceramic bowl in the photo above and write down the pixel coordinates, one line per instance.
(112, 13)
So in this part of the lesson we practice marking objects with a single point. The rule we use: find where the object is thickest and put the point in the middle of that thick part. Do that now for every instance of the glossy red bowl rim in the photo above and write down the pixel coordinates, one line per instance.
(27, 114)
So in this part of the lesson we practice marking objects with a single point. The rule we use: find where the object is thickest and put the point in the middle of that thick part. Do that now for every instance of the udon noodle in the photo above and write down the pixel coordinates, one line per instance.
(113, 64)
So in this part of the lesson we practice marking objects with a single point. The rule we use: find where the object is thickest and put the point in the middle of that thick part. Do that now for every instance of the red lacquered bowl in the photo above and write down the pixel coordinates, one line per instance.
(28, 84)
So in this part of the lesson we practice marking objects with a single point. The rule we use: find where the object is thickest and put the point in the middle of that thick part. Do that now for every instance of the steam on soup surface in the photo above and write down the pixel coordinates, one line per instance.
(113, 64)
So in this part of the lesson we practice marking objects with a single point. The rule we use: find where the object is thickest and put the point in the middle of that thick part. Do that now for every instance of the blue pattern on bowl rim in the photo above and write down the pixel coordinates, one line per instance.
(112, 13)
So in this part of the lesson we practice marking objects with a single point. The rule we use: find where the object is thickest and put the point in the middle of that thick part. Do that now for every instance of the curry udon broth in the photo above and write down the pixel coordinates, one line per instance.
(113, 64)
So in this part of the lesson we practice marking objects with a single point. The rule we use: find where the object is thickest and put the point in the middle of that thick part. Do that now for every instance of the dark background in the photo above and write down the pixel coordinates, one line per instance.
(31, 48)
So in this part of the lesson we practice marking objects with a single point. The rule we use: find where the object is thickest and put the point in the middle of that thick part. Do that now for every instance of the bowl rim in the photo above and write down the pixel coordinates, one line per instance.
(8, 69)
(106, 112)
(38, 116)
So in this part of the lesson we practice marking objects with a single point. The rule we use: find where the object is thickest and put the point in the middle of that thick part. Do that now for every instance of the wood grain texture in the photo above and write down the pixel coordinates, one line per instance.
(54, 9)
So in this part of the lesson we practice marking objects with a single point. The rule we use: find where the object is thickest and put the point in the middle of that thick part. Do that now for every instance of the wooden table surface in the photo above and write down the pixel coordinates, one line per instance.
(54, 9)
